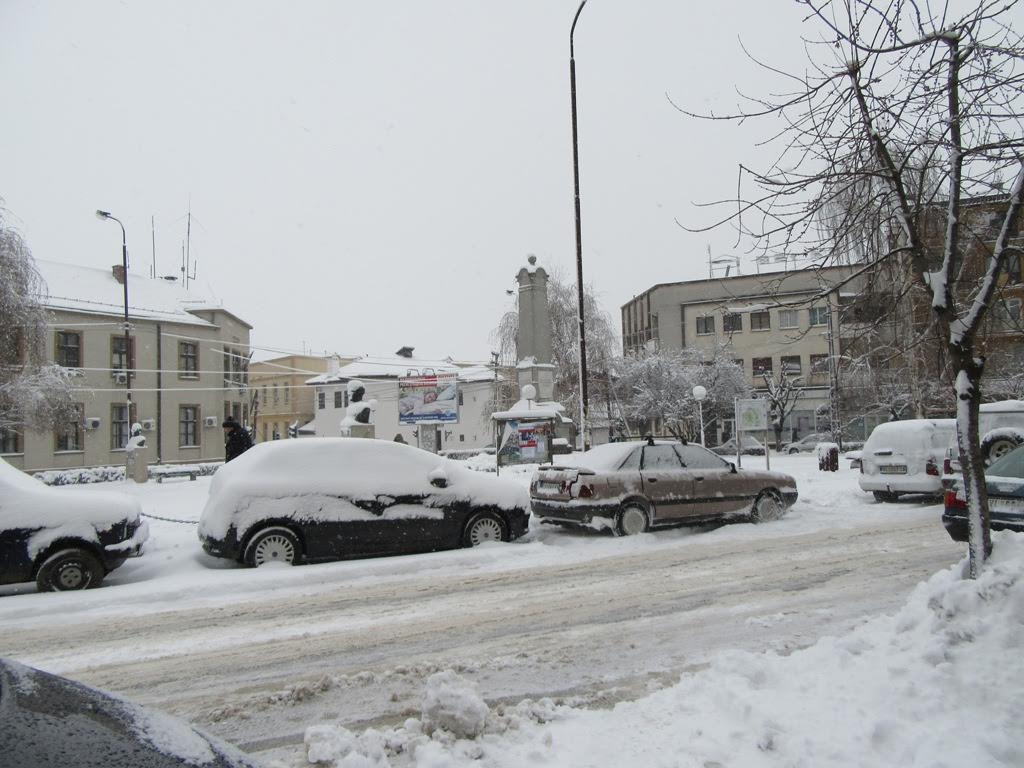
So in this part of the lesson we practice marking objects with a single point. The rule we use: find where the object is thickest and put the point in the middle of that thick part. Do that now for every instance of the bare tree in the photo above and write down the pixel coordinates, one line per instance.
(782, 392)
(34, 394)
(924, 109)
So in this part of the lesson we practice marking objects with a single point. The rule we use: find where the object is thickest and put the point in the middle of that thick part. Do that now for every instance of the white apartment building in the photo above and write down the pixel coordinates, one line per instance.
(187, 361)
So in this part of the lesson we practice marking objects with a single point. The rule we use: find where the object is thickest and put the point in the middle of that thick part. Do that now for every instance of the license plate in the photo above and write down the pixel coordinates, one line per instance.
(893, 469)
(1006, 505)
(548, 489)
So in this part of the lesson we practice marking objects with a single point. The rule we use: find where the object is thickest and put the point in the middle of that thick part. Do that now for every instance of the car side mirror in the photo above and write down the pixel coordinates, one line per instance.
(438, 478)
(732, 468)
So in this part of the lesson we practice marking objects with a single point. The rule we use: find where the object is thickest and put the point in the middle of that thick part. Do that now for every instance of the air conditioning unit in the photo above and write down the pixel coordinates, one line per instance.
(210, 421)
(148, 425)
(121, 377)
(92, 422)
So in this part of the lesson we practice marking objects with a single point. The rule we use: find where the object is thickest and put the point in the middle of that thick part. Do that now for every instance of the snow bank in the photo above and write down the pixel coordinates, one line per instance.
(938, 684)
(451, 702)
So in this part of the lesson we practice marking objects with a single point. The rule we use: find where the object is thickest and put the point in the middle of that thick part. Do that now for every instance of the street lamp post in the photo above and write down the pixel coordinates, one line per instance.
(127, 335)
(699, 393)
(584, 412)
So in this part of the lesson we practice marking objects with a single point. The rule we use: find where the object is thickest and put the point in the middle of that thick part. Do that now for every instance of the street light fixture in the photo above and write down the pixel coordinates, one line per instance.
(579, 242)
(699, 393)
(105, 215)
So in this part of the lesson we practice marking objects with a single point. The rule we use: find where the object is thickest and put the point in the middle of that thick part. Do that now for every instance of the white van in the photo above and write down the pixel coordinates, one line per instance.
(1000, 430)
(905, 457)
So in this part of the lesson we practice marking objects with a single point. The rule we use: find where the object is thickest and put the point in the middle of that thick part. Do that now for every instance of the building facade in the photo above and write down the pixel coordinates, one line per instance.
(186, 367)
(283, 402)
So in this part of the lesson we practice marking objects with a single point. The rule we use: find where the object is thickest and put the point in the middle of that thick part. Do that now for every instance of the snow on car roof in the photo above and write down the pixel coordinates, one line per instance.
(602, 458)
(1004, 406)
(353, 467)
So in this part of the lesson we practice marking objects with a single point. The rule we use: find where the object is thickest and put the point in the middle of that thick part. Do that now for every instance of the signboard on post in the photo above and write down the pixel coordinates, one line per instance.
(525, 442)
(752, 416)
(428, 399)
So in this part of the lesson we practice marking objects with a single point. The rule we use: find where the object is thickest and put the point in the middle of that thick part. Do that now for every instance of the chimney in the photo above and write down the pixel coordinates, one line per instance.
(118, 273)
(405, 352)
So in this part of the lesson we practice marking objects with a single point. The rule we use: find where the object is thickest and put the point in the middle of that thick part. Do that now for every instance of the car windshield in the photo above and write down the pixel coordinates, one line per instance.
(1010, 465)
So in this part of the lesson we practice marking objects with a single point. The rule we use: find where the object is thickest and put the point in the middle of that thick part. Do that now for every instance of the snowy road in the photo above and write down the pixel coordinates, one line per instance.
(568, 615)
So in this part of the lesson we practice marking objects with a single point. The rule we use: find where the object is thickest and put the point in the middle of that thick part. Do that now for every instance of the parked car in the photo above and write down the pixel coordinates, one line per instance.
(1004, 481)
(64, 538)
(1000, 430)
(48, 720)
(751, 447)
(631, 487)
(905, 457)
(304, 501)
(809, 443)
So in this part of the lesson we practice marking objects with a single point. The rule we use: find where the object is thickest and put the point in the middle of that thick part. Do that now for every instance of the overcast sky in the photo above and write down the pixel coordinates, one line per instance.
(369, 175)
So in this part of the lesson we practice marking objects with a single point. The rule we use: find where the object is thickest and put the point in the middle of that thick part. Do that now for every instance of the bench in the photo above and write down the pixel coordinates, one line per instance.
(189, 473)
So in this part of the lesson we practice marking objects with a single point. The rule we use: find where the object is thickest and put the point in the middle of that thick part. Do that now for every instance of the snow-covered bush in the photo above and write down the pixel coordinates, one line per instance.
(83, 475)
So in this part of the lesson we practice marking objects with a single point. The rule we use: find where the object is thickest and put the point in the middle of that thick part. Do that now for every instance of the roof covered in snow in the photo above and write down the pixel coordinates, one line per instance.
(525, 410)
(397, 366)
(95, 291)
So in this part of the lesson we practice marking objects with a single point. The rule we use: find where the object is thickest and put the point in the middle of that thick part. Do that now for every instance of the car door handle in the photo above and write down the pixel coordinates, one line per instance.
(699, 477)
(652, 479)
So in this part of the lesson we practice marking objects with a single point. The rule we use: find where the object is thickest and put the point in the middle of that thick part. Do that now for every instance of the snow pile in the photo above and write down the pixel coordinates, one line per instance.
(85, 475)
(451, 702)
(938, 685)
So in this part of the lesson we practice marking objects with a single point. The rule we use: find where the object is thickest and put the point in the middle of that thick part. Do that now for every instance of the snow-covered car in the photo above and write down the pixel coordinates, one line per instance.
(48, 720)
(1004, 482)
(902, 457)
(809, 443)
(631, 487)
(1000, 430)
(751, 447)
(305, 501)
(64, 538)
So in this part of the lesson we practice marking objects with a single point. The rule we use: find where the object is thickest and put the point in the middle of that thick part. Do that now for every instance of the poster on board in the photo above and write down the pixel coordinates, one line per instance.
(428, 399)
(525, 442)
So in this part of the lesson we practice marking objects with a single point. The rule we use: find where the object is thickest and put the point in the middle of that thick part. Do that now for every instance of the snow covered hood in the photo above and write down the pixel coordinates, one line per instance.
(354, 468)
(27, 503)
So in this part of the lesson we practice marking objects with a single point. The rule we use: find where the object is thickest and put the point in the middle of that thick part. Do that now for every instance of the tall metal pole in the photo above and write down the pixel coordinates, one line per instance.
(127, 333)
(584, 400)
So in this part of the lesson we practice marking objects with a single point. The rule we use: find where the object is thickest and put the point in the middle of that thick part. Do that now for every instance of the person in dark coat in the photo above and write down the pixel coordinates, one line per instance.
(236, 439)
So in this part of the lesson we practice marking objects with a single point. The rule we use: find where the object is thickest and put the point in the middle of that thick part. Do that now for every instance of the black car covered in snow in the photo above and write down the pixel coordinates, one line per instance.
(303, 501)
(1004, 481)
(64, 538)
(48, 720)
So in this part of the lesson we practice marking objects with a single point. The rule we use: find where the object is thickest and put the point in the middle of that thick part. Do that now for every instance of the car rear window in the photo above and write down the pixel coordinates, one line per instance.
(661, 457)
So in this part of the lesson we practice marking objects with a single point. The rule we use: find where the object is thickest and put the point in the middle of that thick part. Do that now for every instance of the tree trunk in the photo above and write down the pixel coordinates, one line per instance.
(968, 394)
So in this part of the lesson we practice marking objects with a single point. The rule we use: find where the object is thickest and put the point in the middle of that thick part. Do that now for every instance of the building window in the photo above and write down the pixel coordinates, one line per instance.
(706, 325)
(1008, 312)
(276, 395)
(819, 364)
(760, 321)
(188, 360)
(732, 323)
(762, 366)
(462, 438)
(287, 391)
(818, 315)
(789, 318)
(321, 400)
(69, 435)
(10, 440)
(118, 426)
(68, 349)
(122, 355)
(460, 397)
(339, 398)
(188, 426)
(791, 365)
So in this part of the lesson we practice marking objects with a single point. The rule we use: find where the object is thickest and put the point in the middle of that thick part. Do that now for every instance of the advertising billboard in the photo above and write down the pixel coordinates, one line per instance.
(428, 399)
(525, 442)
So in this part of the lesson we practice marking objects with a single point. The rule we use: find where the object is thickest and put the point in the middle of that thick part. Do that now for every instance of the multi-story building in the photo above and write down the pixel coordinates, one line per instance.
(379, 376)
(185, 364)
(284, 402)
(770, 322)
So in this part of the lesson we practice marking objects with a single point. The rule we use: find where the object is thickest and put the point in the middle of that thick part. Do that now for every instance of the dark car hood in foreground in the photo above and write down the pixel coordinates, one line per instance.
(47, 720)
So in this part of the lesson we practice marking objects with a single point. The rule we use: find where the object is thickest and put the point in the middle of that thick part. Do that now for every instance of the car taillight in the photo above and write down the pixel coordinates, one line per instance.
(947, 467)
(932, 468)
(585, 492)
(952, 502)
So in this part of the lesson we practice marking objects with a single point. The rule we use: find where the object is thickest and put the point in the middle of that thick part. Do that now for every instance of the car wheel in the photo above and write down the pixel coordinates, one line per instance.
(70, 569)
(997, 448)
(768, 506)
(273, 545)
(631, 521)
(885, 496)
(793, 450)
(483, 527)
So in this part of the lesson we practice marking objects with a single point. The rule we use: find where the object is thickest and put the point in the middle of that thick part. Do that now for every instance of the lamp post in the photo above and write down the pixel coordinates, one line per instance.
(127, 336)
(699, 393)
(579, 242)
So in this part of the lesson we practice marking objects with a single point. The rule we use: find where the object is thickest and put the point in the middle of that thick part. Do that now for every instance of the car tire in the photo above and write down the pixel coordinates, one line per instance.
(767, 507)
(632, 520)
(273, 545)
(793, 450)
(70, 569)
(997, 447)
(484, 527)
(885, 497)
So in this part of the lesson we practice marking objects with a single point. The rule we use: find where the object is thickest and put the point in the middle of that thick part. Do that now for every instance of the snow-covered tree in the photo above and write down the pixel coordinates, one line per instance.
(34, 394)
(928, 106)
(782, 391)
